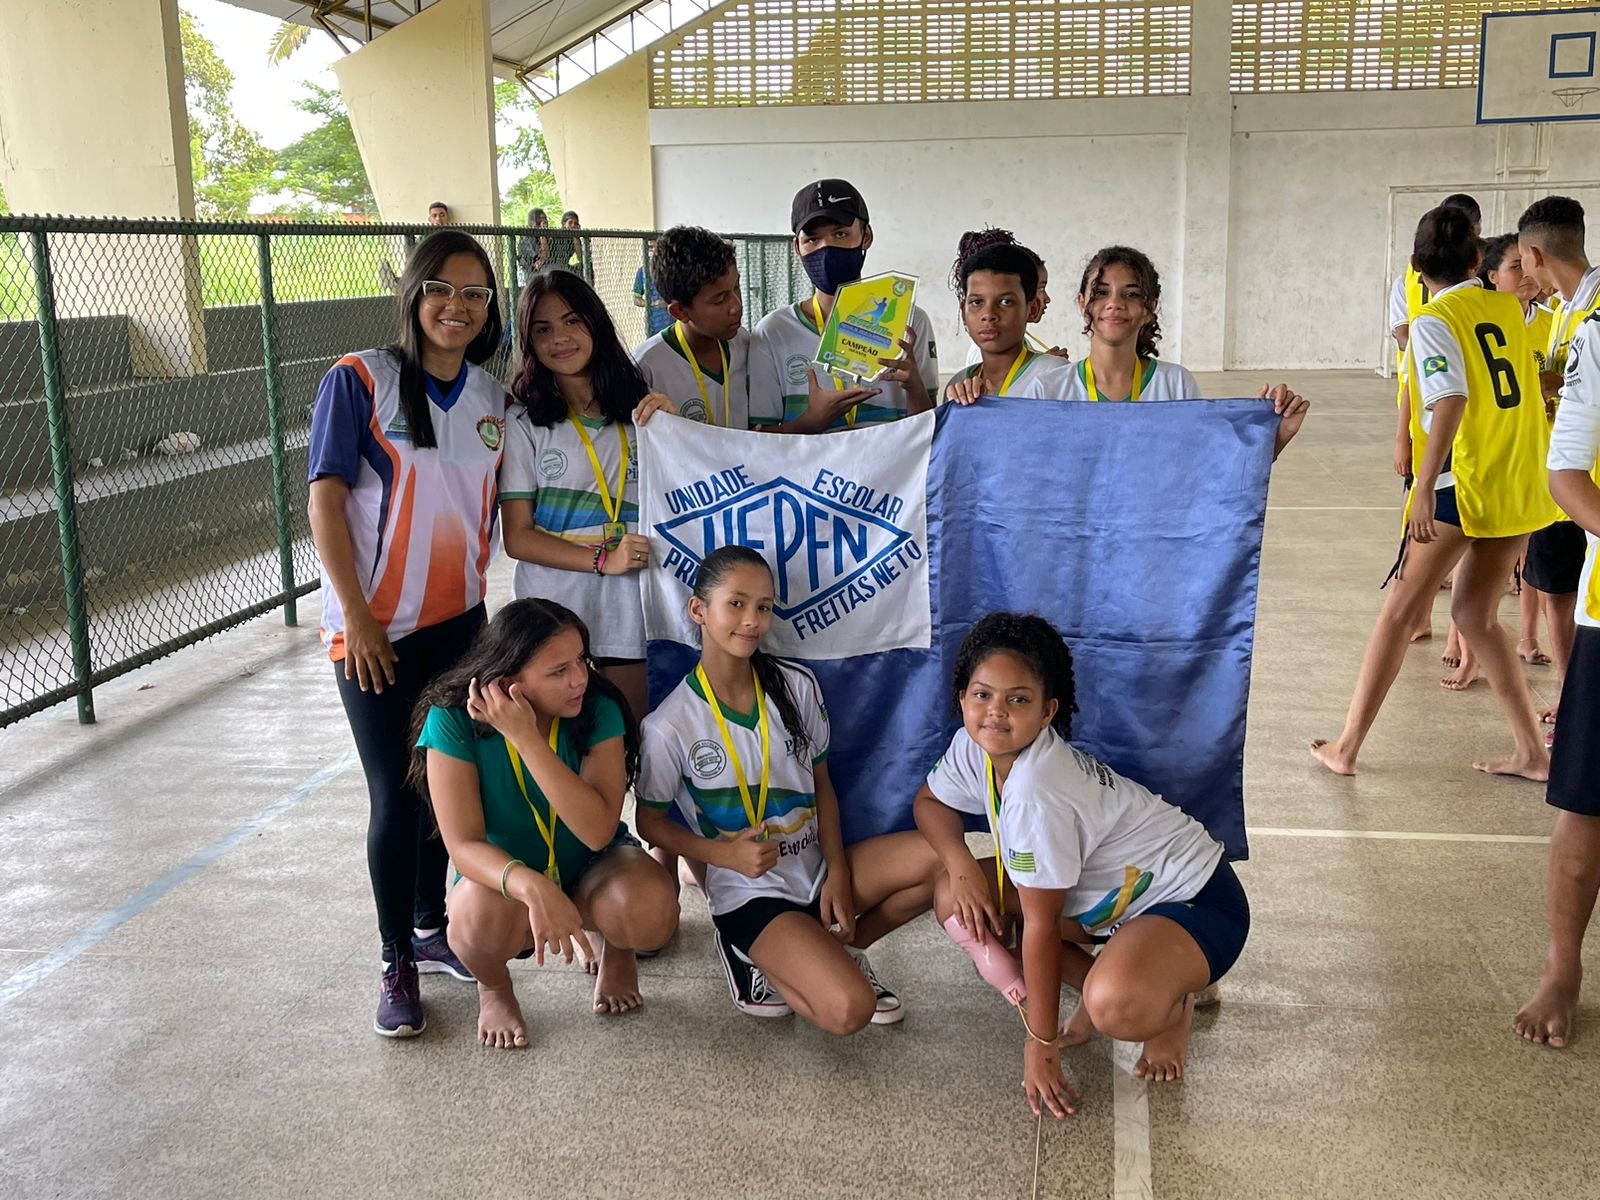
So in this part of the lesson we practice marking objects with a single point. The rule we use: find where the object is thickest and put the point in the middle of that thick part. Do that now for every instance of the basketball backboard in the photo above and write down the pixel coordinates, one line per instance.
(1539, 66)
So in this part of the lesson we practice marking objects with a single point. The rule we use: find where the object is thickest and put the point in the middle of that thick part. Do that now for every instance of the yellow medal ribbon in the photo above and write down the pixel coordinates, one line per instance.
(757, 812)
(1562, 332)
(547, 832)
(1024, 357)
(816, 323)
(615, 527)
(700, 379)
(994, 832)
(1138, 379)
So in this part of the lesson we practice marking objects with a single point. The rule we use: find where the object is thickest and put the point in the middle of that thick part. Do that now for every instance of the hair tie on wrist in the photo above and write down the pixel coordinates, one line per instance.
(517, 862)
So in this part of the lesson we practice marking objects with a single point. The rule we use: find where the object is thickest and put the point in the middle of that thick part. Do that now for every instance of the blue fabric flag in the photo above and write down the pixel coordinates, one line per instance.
(1136, 530)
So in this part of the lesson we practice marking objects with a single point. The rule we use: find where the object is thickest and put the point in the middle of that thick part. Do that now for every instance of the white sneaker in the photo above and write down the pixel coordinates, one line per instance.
(751, 993)
(889, 1010)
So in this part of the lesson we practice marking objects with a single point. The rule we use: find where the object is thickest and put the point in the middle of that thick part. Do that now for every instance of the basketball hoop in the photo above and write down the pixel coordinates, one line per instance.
(1569, 96)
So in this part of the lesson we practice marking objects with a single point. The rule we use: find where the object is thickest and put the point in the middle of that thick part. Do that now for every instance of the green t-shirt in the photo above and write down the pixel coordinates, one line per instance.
(507, 820)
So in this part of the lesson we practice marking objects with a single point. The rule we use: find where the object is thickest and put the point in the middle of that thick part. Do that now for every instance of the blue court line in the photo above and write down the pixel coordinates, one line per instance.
(103, 927)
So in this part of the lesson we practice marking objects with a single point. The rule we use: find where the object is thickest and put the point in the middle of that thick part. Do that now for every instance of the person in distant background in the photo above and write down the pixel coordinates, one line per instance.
(646, 296)
(533, 250)
(438, 213)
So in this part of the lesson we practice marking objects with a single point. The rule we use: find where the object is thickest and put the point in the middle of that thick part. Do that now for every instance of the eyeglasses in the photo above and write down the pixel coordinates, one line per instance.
(437, 291)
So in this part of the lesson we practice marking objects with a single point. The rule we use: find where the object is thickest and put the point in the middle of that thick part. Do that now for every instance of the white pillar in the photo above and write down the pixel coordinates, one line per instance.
(421, 102)
(91, 101)
(1207, 190)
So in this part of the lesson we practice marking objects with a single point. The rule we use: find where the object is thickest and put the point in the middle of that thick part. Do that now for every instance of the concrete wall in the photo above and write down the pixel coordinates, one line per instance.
(1267, 215)
(598, 136)
(421, 101)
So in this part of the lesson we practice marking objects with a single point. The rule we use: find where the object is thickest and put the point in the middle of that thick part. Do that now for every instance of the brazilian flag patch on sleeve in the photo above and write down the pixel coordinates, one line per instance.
(1434, 366)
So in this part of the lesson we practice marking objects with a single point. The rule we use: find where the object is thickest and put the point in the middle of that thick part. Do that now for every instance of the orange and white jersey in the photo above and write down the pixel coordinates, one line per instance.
(421, 521)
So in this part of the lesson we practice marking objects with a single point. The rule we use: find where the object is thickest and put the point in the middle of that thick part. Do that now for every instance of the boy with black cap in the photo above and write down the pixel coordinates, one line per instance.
(832, 234)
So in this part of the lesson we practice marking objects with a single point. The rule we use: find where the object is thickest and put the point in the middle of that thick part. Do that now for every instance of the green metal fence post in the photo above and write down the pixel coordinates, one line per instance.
(55, 400)
(280, 495)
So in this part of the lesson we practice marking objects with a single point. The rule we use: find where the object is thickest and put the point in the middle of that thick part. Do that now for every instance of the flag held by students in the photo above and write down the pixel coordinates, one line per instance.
(1134, 528)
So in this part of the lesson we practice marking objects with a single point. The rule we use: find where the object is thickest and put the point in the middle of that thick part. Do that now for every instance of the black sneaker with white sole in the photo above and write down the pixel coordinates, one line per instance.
(889, 1009)
(752, 994)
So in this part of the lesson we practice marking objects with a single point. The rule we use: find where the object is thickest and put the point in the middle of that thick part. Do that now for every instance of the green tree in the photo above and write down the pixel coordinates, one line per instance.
(324, 163)
(517, 114)
(231, 166)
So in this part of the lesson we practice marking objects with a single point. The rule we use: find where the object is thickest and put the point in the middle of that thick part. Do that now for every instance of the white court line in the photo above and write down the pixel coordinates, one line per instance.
(104, 926)
(1130, 1126)
(1333, 508)
(1395, 835)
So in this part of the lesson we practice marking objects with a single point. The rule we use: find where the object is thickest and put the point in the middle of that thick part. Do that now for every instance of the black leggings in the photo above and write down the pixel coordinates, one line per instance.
(405, 855)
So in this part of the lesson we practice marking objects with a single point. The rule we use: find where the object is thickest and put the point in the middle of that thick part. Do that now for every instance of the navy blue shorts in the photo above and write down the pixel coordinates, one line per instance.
(1574, 766)
(1444, 507)
(1217, 918)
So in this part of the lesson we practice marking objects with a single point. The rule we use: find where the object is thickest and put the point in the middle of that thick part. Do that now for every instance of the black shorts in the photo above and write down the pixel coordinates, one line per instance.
(623, 838)
(741, 927)
(1217, 917)
(1574, 765)
(1555, 558)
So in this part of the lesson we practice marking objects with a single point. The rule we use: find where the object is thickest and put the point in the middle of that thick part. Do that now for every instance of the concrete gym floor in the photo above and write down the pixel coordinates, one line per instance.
(188, 963)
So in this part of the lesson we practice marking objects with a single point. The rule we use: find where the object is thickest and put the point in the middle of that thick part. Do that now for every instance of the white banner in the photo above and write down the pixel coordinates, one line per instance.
(841, 518)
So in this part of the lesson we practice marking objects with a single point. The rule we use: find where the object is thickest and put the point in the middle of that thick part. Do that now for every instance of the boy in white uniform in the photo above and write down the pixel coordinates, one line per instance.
(702, 359)
(998, 289)
(831, 238)
(1572, 877)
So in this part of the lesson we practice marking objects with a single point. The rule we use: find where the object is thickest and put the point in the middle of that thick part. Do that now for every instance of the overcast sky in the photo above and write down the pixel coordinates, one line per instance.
(263, 96)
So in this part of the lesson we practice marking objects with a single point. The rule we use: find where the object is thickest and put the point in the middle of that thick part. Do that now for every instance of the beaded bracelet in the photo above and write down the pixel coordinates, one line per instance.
(599, 559)
(517, 862)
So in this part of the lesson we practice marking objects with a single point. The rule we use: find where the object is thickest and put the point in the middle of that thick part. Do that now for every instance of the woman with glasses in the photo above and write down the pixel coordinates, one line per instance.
(405, 447)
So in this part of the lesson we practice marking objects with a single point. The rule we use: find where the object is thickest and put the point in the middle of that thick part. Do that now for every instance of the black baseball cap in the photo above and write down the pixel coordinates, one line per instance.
(830, 199)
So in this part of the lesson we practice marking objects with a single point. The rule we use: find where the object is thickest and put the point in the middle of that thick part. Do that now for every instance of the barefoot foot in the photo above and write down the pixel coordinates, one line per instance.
(591, 962)
(1079, 1028)
(616, 984)
(1528, 651)
(500, 1023)
(1164, 1056)
(1422, 633)
(1547, 716)
(1336, 760)
(1547, 1019)
(1530, 766)
(1459, 680)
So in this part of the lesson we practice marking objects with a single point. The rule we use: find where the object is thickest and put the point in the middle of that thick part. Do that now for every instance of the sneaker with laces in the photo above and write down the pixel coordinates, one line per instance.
(434, 957)
(399, 1000)
(889, 1009)
(752, 994)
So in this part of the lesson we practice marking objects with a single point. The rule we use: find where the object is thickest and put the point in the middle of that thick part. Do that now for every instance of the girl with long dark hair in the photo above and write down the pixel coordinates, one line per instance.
(405, 446)
(526, 751)
(740, 749)
(569, 485)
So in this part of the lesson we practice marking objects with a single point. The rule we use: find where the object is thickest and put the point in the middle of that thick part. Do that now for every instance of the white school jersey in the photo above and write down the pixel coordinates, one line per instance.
(1068, 821)
(664, 363)
(787, 346)
(550, 467)
(1162, 380)
(421, 521)
(1575, 442)
(1399, 309)
(684, 762)
(1567, 315)
(1043, 377)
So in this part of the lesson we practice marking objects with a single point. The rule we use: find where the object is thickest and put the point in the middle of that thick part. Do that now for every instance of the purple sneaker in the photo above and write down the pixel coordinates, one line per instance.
(434, 957)
(399, 1001)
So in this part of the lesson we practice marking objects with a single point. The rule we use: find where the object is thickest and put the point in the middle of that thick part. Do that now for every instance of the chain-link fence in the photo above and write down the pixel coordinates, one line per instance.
(156, 383)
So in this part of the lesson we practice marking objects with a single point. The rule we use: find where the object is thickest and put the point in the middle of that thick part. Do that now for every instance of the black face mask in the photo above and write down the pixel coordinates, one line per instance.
(831, 267)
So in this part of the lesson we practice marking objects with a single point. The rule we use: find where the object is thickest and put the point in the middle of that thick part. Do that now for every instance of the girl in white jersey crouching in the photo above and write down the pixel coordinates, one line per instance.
(1088, 857)
(740, 747)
